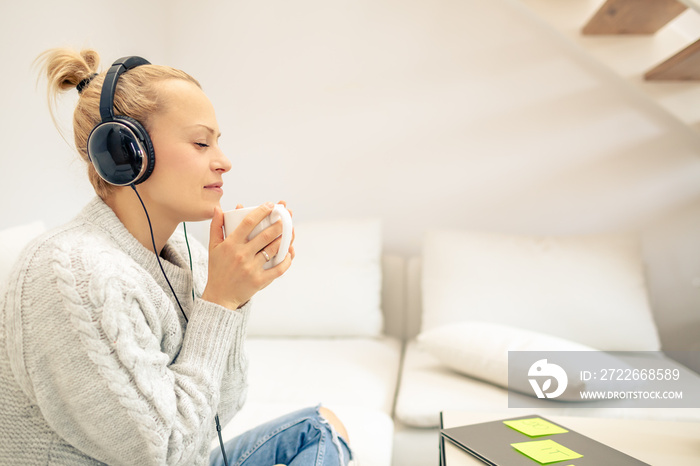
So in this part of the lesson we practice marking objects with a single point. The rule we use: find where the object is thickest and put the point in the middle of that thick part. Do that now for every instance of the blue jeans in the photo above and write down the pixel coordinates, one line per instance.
(301, 438)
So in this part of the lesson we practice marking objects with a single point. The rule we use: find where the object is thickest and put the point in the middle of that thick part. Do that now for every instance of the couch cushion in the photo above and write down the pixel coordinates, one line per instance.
(332, 289)
(428, 387)
(480, 350)
(588, 289)
(345, 371)
(370, 431)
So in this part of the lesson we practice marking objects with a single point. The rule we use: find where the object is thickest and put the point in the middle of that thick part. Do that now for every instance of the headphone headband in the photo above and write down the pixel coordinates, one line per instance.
(109, 86)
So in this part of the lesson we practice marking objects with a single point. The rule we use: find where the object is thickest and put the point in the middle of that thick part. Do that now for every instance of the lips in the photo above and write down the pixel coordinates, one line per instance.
(217, 187)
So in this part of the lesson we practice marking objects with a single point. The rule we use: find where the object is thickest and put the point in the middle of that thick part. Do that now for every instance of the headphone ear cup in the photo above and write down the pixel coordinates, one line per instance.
(145, 140)
(121, 151)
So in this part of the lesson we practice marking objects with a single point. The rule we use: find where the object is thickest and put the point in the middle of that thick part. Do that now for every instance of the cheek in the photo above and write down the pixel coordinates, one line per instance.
(174, 162)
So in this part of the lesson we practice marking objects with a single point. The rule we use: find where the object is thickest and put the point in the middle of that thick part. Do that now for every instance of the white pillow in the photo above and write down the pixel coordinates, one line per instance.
(333, 287)
(480, 350)
(12, 241)
(588, 289)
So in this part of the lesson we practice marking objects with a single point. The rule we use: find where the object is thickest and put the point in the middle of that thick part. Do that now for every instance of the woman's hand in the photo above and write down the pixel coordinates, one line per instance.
(236, 270)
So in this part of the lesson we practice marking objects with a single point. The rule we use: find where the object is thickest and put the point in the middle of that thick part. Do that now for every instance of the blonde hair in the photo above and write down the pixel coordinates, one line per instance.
(136, 95)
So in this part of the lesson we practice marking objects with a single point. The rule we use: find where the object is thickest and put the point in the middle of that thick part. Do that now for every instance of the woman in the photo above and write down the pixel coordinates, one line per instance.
(117, 347)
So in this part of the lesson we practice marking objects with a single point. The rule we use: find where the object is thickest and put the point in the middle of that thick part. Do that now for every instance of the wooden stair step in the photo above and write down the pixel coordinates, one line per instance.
(633, 16)
(685, 65)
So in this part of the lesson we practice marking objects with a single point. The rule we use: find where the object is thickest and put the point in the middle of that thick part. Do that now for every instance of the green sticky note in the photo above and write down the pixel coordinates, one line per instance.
(535, 427)
(545, 451)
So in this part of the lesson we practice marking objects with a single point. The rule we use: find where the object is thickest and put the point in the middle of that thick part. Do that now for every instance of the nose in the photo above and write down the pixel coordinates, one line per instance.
(220, 162)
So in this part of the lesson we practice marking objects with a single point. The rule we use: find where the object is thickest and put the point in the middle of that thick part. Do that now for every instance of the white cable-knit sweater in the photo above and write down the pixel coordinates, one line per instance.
(97, 363)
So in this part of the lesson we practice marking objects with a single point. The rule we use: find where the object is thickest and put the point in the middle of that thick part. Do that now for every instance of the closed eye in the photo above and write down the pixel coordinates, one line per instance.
(201, 144)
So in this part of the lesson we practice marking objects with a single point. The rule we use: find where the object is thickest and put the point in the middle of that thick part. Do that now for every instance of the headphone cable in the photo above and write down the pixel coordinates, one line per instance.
(189, 254)
(216, 416)
(155, 251)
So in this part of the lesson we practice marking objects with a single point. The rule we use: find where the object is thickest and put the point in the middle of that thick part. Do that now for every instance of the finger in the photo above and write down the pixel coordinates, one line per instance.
(239, 206)
(250, 221)
(264, 257)
(278, 270)
(216, 232)
(271, 250)
(291, 243)
(267, 236)
(284, 203)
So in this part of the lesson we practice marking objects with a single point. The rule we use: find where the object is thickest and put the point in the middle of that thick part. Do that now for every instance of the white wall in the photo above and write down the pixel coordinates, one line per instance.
(425, 113)
(41, 176)
(449, 113)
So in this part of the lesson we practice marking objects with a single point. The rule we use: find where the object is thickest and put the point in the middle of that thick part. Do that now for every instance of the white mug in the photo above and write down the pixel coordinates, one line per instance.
(233, 217)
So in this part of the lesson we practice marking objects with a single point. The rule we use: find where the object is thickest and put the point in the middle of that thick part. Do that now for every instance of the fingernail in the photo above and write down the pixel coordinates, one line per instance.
(269, 205)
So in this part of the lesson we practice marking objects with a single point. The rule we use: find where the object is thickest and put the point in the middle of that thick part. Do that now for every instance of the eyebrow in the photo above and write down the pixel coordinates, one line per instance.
(211, 130)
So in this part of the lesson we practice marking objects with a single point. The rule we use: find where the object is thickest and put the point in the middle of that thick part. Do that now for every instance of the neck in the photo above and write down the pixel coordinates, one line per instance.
(127, 207)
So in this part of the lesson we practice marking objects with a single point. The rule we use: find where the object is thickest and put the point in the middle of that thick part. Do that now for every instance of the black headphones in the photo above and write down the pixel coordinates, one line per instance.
(119, 147)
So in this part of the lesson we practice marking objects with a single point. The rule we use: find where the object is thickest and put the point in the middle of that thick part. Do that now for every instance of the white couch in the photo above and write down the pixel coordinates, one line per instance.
(388, 387)
(363, 332)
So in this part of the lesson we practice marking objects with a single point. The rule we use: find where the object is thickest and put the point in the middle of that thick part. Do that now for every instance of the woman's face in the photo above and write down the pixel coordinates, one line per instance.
(186, 183)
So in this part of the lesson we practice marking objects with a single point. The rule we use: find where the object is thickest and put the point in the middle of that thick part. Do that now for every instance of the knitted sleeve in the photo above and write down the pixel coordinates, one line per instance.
(86, 342)
(234, 383)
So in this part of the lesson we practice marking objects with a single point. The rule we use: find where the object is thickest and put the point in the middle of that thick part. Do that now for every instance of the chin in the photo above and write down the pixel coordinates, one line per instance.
(199, 215)
(202, 216)
(208, 213)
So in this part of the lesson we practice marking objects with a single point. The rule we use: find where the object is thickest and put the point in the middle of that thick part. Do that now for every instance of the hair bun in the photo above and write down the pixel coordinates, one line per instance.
(66, 68)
